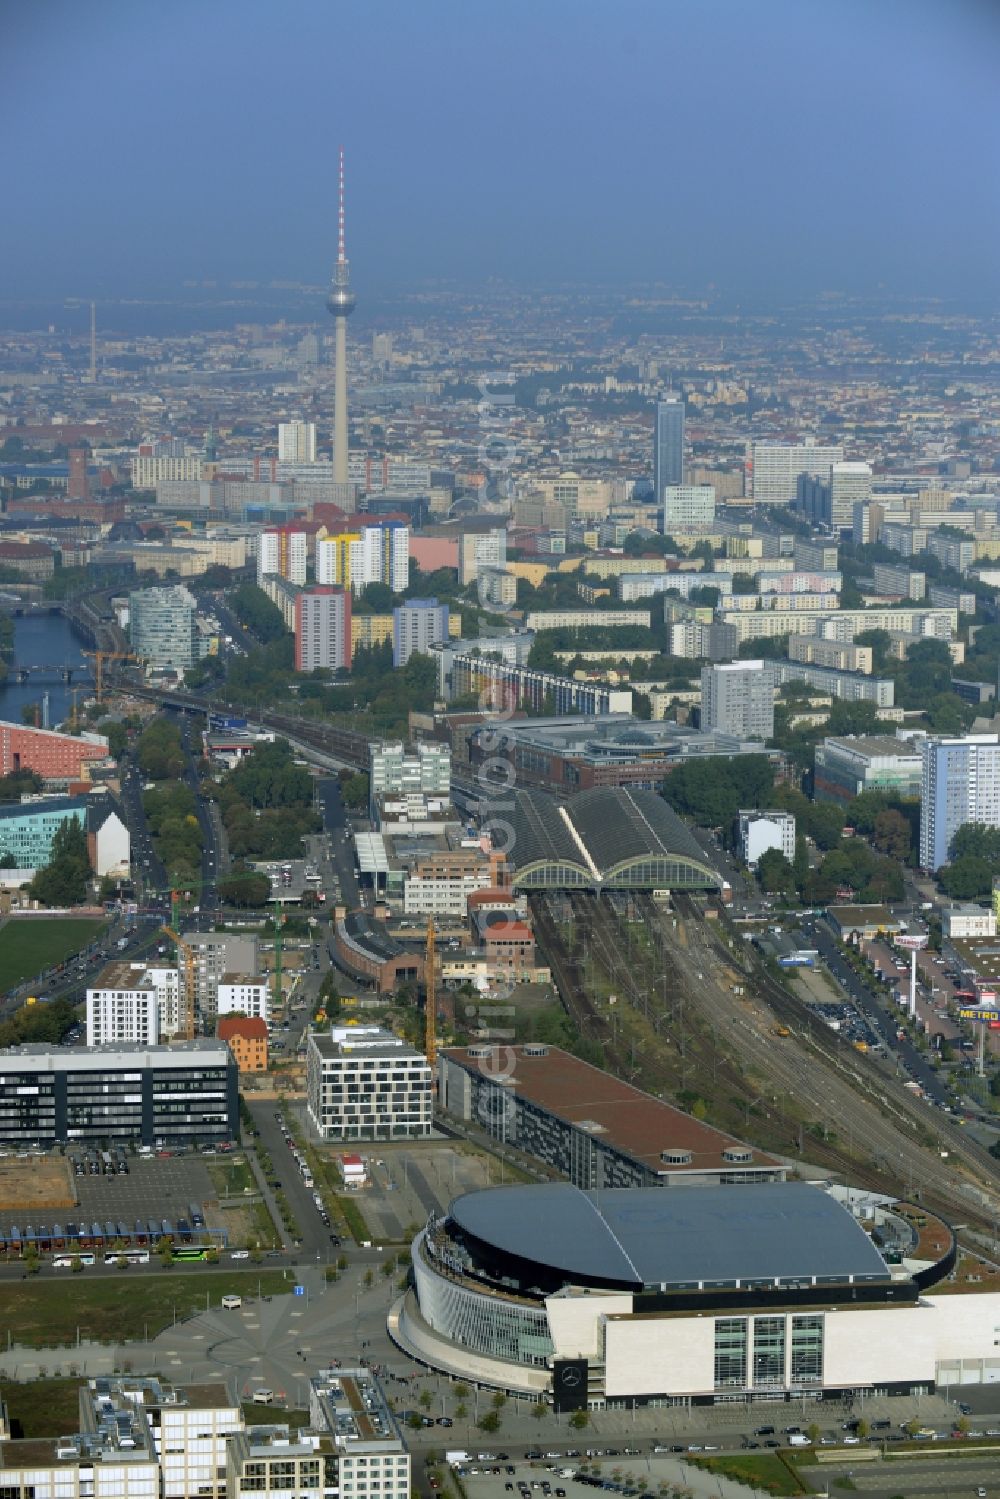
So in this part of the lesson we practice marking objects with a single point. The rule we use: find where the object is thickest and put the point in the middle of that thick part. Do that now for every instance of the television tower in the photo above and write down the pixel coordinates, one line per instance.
(340, 305)
(93, 343)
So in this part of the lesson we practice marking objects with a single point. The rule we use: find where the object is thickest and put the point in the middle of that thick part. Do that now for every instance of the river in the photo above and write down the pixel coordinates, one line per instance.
(45, 640)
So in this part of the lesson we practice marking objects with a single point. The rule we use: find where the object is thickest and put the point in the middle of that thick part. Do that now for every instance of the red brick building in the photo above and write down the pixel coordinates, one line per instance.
(55, 757)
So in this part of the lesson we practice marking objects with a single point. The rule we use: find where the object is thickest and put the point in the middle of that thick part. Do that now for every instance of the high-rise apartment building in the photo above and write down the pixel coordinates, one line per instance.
(481, 549)
(214, 954)
(668, 445)
(959, 783)
(687, 505)
(283, 551)
(737, 697)
(850, 485)
(776, 467)
(416, 627)
(322, 629)
(122, 1006)
(296, 442)
(163, 627)
(364, 554)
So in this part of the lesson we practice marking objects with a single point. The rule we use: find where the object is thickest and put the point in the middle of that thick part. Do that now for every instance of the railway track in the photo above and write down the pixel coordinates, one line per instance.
(902, 1138)
(867, 1128)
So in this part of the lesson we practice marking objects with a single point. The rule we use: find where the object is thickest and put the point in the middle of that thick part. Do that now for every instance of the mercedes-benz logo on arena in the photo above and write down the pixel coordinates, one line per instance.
(569, 1377)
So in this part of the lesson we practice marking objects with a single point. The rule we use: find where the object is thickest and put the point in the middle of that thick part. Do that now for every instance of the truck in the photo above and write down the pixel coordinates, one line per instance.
(457, 1457)
(121, 944)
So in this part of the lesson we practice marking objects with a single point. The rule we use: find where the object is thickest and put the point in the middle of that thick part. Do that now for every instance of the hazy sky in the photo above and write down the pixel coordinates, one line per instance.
(755, 144)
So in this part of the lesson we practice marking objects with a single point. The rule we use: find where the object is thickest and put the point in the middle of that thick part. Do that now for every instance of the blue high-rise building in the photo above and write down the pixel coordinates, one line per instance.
(668, 445)
(960, 783)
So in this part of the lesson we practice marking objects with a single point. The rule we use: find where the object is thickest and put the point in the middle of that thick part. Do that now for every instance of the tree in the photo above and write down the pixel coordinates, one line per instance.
(539, 1410)
(244, 887)
(116, 734)
(892, 834)
(499, 1400)
(775, 872)
(64, 880)
(579, 1419)
(490, 1421)
(354, 790)
(425, 1400)
(880, 642)
(966, 879)
(976, 840)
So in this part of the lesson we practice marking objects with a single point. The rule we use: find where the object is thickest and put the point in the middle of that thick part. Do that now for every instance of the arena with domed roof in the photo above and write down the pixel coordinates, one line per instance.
(758, 1291)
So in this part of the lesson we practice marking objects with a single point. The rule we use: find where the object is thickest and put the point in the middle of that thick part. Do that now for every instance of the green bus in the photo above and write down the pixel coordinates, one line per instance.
(192, 1252)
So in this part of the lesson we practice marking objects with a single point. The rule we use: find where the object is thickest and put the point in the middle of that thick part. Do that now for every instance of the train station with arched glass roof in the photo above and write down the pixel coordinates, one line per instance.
(605, 839)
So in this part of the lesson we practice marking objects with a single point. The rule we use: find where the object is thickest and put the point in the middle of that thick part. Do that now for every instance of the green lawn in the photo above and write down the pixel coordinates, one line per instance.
(46, 1311)
(42, 1408)
(28, 944)
(761, 1470)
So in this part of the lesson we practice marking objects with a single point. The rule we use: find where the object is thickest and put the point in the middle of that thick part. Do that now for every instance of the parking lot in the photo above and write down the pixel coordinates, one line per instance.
(153, 1188)
(407, 1182)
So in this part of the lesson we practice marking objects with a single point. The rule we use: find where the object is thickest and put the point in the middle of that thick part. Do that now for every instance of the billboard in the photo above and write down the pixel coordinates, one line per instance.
(569, 1384)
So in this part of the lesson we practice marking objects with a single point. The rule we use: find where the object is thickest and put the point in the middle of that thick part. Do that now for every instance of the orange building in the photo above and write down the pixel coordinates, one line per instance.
(246, 1037)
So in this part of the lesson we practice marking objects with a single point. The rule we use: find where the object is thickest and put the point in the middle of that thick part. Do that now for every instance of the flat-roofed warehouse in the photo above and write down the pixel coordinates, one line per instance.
(606, 839)
(595, 1129)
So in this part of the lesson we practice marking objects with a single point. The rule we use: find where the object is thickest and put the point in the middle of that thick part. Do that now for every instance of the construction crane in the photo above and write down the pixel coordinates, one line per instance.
(278, 943)
(99, 658)
(430, 1000)
(186, 952)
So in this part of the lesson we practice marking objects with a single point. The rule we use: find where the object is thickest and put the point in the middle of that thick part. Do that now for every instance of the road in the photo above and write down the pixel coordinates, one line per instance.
(336, 822)
(315, 1236)
(881, 1017)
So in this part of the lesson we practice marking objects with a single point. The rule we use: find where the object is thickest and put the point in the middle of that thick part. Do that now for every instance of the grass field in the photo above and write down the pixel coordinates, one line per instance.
(763, 1470)
(45, 1311)
(43, 1408)
(27, 945)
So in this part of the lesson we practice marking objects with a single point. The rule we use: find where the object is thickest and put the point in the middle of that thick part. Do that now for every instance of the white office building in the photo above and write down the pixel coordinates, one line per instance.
(760, 831)
(737, 697)
(296, 442)
(364, 1083)
(372, 1458)
(687, 505)
(777, 465)
(425, 772)
(959, 783)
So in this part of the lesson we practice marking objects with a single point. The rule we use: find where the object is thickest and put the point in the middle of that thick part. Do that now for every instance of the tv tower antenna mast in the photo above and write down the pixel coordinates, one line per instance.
(340, 305)
(93, 342)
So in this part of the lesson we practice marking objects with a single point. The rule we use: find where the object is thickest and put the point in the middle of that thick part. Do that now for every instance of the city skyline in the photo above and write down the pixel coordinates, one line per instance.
(814, 150)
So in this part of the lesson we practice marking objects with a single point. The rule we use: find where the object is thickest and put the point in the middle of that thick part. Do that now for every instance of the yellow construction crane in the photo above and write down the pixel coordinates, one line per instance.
(430, 1002)
(99, 658)
(186, 952)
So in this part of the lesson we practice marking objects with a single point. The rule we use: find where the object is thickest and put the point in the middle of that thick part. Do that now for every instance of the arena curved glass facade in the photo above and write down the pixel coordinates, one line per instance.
(486, 1323)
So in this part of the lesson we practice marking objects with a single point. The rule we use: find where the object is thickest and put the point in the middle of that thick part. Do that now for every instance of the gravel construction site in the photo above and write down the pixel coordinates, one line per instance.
(683, 1007)
(37, 1182)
